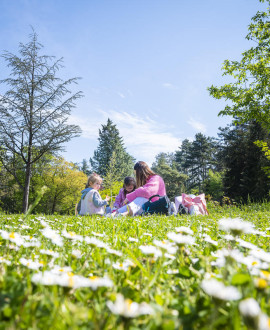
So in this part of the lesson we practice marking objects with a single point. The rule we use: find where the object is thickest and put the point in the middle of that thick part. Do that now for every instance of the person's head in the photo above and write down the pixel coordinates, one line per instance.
(129, 184)
(142, 171)
(94, 181)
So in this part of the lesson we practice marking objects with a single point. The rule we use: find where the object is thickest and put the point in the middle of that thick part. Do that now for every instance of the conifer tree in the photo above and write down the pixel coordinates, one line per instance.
(196, 158)
(110, 141)
(165, 166)
(244, 162)
(33, 112)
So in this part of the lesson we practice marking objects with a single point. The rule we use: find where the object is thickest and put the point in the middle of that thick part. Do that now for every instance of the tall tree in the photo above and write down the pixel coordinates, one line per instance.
(196, 158)
(248, 95)
(110, 141)
(34, 111)
(85, 167)
(244, 162)
(165, 166)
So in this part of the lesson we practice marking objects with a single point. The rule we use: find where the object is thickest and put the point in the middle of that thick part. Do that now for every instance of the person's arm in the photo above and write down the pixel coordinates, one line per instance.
(118, 200)
(97, 200)
(149, 189)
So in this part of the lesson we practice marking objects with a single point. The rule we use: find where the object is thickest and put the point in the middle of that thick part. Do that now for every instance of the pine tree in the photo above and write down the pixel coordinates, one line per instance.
(243, 162)
(85, 167)
(165, 166)
(110, 141)
(195, 159)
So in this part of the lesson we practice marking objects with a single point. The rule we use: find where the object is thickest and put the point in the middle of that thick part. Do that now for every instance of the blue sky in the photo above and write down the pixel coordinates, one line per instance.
(146, 64)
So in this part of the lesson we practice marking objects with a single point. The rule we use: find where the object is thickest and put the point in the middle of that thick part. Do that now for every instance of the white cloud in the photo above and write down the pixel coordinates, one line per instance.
(143, 137)
(170, 86)
(200, 127)
(121, 95)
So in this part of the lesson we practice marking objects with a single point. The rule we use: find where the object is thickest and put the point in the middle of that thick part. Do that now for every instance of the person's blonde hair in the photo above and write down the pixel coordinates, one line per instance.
(143, 171)
(93, 178)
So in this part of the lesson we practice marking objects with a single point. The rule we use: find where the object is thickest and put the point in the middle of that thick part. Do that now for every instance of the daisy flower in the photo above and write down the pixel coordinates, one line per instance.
(52, 235)
(4, 261)
(180, 239)
(49, 253)
(115, 252)
(128, 308)
(72, 235)
(31, 264)
(150, 250)
(236, 226)
(95, 242)
(13, 237)
(131, 239)
(166, 245)
(249, 308)
(218, 290)
(184, 230)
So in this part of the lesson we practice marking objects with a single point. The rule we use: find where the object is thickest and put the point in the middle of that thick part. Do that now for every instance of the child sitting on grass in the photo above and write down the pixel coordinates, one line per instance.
(128, 186)
(91, 201)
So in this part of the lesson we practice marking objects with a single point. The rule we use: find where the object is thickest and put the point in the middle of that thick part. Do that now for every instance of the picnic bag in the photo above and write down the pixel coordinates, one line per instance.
(160, 206)
(196, 205)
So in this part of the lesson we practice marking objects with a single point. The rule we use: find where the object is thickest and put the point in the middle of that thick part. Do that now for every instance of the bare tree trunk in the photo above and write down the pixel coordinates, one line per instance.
(26, 188)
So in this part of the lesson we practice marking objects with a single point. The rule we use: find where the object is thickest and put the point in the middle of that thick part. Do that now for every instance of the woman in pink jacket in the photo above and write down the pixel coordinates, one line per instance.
(148, 184)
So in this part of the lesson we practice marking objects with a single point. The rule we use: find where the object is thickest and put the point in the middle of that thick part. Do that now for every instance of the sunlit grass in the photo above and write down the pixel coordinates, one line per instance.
(64, 272)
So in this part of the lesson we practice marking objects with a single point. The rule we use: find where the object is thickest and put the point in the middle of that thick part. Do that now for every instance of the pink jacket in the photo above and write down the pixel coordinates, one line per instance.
(119, 199)
(154, 186)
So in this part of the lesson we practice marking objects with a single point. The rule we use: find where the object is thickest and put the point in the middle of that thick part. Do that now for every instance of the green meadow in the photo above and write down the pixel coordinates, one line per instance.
(154, 272)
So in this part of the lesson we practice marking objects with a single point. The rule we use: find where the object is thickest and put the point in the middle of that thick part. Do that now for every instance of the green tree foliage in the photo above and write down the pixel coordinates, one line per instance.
(63, 179)
(65, 182)
(164, 165)
(195, 159)
(244, 162)
(110, 141)
(33, 111)
(213, 185)
(110, 180)
(85, 167)
(249, 93)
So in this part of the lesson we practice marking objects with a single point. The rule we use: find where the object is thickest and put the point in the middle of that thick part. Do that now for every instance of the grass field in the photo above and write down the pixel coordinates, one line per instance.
(156, 272)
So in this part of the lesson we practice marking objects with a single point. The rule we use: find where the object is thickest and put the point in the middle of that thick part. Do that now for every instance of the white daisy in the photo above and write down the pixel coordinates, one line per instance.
(260, 254)
(98, 234)
(184, 230)
(76, 253)
(4, 261)
(31, 264)
(249, 308)
(121, 266)
(246, 245)
(218, 290)
(49, 253)
(115, 252)
(166, 245)
(236, 226)
(128, 308)
(13, 237)
(95, 242)
(172, 271)
(208, 239)
(132, 239)
(180, 239)
(52, 235)
(72, 235)
(150, 250)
